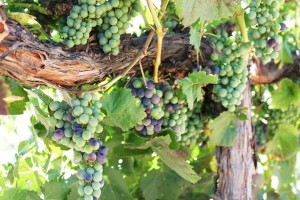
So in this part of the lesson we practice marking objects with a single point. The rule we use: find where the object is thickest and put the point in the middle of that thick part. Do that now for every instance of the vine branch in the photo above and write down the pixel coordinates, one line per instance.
(160, 32)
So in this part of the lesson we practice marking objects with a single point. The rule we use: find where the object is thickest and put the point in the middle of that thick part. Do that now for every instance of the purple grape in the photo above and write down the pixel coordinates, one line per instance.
(155, 99)
(101, 158)
(69, 117)
(95, 198)
(176, 106)
(148, 93)
(59, 133)
(176, 129)
(147, 122)
(160, 122)
(163, 88)
(78, 132)
(215, 69)
(146, 101)
(88, 178)
(80, 174)
(93, 142)
(272, 42)
(153, 121)
(140, 93)
(208, 71)
(91, 157)
(283, 26)
(148, 111)
(100, 142)
(75, 125)
(150, 85)
(103, 150)
(144, 131)
(134, 92)
(139, 127)
(169, 108)
(157, 128)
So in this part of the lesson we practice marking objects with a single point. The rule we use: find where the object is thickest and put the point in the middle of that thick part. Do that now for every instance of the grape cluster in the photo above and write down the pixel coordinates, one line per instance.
(151, 98)
(194, 126)
(232, 69)
(77, 127)
(277, 117)
(163, 108)
(171, 21)
(265, 29)
(115, 23)
(110, 17)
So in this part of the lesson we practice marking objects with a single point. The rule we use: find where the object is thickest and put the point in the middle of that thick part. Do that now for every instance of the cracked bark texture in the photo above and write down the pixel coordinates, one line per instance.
(236, 164)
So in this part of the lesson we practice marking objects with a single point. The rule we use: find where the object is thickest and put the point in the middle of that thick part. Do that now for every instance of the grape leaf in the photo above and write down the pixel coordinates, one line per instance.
(176, 160)
(18, 194)
(115, 187)
(288, 94)
(122, 109)
(74, 192)
(17, 107)
(223, 129)
(206, 10)
(162, 184)
(285, 141)
(192, 86)
(195, 38)
(55, 190)
(285, 55)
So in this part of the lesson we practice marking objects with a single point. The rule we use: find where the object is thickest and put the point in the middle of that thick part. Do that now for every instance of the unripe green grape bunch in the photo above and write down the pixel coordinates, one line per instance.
(265, 28)
(78, 128)
(233, 69)
(194, 126)
(171, 17)
(110, 18)
(277, 117)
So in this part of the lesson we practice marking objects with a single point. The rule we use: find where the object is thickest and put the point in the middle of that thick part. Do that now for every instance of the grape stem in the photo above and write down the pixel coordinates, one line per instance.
(160, 32)
(31, 7)
(241, 22)
(140, 56)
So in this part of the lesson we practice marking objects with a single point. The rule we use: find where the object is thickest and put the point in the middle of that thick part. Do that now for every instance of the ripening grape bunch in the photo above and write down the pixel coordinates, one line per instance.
(78, 127)
(232, 69)
(109, 18)
(265, 28)
(163, 108)
(277, 117)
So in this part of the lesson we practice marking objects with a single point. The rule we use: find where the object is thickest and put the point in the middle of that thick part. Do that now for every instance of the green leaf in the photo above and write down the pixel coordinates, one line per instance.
(284, 142)
(56, 191)
(115, 187)
(18, 194)
(224, 129)
(25, 19)
(192, 86)
(195, 38)
(37, 93)
(288, 94)
(162, 184)
(74, 193)
(122, 109)
(17, 107)
(285, 55)
(206, 10)
(176, 160)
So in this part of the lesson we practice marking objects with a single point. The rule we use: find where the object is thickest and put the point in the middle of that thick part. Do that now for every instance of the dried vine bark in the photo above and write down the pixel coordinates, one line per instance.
(236, 164)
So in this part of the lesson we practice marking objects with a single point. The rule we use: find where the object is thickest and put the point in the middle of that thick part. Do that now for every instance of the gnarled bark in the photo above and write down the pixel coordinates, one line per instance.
(236, 164)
